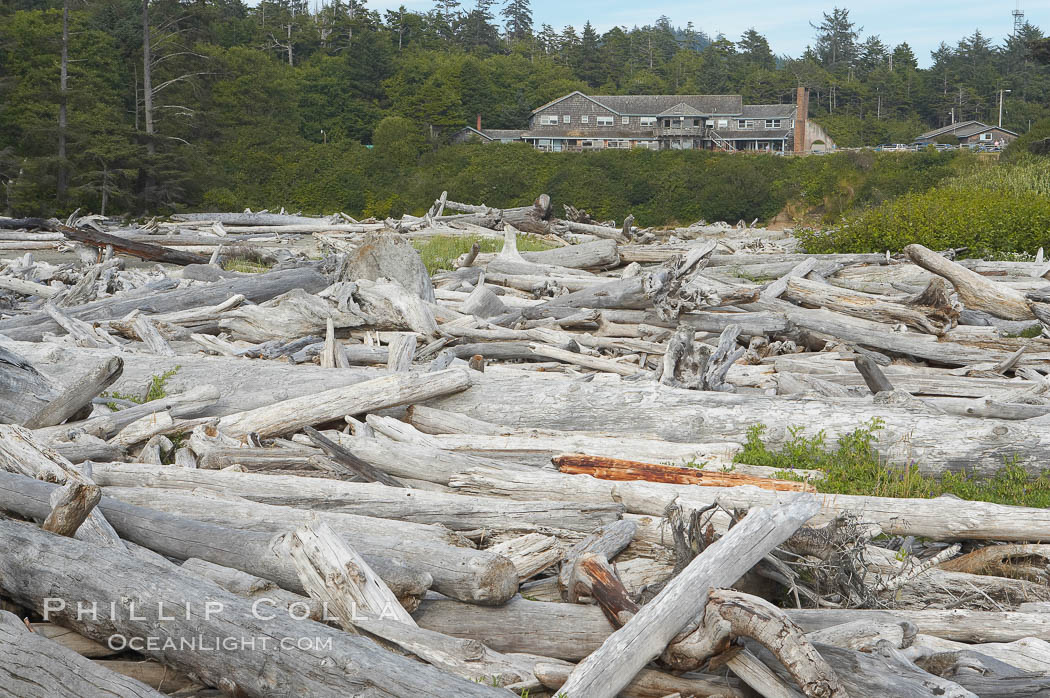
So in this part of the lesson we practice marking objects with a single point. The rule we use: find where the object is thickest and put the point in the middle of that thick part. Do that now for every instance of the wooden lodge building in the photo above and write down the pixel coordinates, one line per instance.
(579, 122)
(968, 133)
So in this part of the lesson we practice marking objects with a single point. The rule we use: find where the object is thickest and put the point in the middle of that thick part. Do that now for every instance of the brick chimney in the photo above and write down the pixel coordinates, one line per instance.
(801, 112)
(479, 122)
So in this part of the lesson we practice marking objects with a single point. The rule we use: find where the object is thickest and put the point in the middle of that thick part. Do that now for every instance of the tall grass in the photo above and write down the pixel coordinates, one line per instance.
(440, 252)
(854, 466)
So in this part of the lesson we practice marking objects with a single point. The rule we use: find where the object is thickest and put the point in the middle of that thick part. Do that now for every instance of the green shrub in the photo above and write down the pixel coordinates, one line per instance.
(854, 466)
(985, 221)
(1032, 143)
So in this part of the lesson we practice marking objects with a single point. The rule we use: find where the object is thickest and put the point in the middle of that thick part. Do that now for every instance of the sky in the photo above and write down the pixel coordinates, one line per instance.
(786, 23)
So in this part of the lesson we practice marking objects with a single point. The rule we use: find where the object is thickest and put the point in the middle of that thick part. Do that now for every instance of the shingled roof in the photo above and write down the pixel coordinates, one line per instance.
(651, 105)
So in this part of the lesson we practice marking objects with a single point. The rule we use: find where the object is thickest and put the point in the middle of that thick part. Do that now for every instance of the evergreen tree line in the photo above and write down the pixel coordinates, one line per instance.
(152, 105)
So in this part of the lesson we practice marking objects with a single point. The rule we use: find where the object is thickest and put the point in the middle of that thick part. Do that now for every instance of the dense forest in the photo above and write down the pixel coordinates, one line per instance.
(149, 106)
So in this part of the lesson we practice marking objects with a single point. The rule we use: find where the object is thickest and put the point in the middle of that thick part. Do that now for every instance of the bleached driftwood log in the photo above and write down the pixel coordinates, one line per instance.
(21, 454)
(256, 288)
(35, 565)
(389, 391)
(975, 291)
(813, 294)
(942, 518)
(36, 667)
(455, 511)
(237, 512)
(24, 391)
(935, 443)
(182, 538)
(74, 397)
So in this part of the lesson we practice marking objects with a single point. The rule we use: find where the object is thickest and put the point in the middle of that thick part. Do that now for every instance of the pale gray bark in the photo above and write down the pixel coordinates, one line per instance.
(35, 565)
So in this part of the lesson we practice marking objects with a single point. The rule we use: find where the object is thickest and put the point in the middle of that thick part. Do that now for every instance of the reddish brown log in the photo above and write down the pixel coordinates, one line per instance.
(599, 580)
(142, 250)
(617, 469)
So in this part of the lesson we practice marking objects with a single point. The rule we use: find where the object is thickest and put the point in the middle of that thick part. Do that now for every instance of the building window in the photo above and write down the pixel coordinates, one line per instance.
(585, 119)
(647, 121)
(625, 120)
(986, 136)
(772, 123)
(604, 120)
(745, 124)
(723, 123)
(696, 123)
(548, 120)
(566, 118)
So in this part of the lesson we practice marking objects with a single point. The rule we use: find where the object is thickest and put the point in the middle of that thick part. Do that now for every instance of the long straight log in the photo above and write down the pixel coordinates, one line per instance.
(572, 631)
(380, 393)
(255, 552)
(455, 511)
(237, 512)
(617, 469)
(908, 434)
(643, 638)
(288, 655)
(943, 518)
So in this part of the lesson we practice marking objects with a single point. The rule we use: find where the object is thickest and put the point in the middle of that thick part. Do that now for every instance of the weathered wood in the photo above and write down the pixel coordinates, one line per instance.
(336, 575)
(70, 505)
(237, 512)
(874, 377)
(24, 391)
(142, 250)
(402, 351)
(756, 618)
(182, 538)
(358, 466)
(617, 469)
(21, 454)
(650, 683)
(36, 667)
(388, 256)
(606, 542)
(943, 518)
(265, 591)
(975, 291)
(909, 434)
(256, 288)
(813, 294)
(35, 565)
(644, 637)
(389, 391)
(368, 499)
(78, 394)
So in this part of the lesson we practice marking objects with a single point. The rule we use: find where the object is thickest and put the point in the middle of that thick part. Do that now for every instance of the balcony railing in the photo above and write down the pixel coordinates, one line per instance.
(679, 131)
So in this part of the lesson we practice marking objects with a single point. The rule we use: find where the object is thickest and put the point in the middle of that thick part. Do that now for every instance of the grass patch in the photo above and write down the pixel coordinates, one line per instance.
(854, 466)
(156, 390)
(440, 252)
(245, 265)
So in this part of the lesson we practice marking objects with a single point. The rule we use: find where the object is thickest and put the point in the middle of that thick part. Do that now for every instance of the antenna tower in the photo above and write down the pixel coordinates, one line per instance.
(1018, 14)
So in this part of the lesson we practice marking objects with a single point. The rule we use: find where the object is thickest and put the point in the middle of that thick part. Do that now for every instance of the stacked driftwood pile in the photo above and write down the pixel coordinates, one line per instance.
(345, 476)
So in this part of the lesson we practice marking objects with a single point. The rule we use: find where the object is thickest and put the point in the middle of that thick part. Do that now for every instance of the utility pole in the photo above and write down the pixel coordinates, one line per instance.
(1001, 107)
